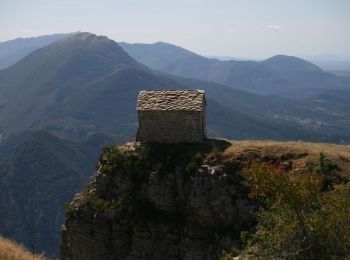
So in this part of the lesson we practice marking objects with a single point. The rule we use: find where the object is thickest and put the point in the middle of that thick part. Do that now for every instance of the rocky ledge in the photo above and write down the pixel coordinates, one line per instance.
(173, 201)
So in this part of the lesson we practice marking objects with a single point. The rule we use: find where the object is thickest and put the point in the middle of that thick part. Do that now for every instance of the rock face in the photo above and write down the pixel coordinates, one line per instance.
(179, 201)
(158, 202)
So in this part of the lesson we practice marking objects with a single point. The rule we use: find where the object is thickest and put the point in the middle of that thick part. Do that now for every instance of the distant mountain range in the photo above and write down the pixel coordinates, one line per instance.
(279, 75)
(76, 85)
(330, 63)
(15, 50)
(68, 98)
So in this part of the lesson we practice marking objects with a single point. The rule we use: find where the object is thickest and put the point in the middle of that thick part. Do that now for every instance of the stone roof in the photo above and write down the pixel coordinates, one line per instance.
(180, 100)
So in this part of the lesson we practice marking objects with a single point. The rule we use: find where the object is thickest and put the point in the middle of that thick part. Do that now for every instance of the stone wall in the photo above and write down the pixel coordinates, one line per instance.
(171, 126)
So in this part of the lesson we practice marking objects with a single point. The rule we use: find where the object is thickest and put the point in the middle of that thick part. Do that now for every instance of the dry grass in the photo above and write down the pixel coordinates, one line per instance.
(301, 154)
(10, 250)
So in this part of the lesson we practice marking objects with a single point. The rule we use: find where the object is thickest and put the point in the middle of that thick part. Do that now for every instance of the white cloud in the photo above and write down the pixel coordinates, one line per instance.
(274, 27)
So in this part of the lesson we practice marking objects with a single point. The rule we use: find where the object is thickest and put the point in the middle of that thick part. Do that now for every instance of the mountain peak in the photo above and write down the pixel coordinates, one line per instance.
(291, 63)
(283, 58)
(58, 72)
(81, 35)
(86, 37)
(159, 54)
(87, 49)
(160, 43)
(86, 52)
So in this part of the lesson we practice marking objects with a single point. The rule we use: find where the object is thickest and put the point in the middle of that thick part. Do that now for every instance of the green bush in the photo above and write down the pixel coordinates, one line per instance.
(298, 220)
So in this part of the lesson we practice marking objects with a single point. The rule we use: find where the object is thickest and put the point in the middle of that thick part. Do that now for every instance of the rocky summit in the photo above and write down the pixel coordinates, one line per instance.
(179, 201)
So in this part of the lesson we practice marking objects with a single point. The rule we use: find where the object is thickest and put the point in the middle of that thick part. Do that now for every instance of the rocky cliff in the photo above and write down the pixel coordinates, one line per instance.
(175, 201)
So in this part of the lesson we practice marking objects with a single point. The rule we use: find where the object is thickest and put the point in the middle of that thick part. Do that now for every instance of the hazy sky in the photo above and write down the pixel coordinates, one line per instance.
(239, 28)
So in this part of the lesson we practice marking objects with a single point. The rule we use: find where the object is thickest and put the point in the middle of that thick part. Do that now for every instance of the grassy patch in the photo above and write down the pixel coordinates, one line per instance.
(12, 250)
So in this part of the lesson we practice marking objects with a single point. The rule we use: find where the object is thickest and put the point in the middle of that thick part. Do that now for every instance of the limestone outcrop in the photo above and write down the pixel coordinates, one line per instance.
(179, 201)
(160, 202)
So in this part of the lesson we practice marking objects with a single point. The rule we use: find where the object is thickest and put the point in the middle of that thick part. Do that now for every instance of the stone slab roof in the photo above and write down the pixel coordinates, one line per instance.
(180, 100)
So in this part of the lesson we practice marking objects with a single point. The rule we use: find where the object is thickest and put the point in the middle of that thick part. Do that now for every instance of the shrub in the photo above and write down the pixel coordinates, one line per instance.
(297, 219)
(329, 172)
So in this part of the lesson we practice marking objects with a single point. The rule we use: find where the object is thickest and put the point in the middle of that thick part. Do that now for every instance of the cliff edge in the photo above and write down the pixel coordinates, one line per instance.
(180, 201)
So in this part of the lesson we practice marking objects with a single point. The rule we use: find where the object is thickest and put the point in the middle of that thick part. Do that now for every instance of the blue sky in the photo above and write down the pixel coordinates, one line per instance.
(238, 28)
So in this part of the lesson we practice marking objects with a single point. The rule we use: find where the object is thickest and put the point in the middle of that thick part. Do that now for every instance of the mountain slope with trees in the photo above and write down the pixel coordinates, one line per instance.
(37, 177)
